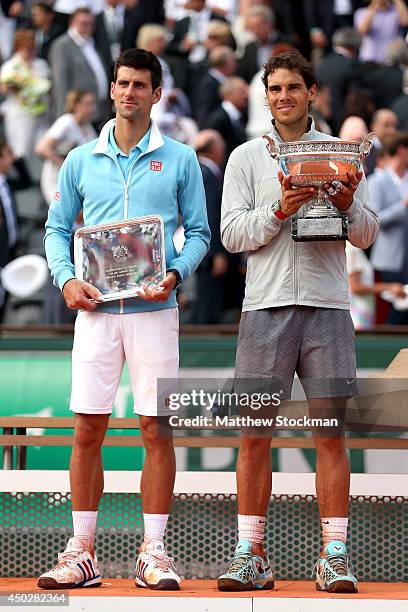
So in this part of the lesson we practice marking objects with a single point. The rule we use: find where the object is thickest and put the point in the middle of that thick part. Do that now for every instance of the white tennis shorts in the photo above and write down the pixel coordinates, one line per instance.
(148, 341)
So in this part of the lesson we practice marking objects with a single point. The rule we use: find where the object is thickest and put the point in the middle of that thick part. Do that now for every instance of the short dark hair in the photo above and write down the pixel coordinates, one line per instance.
(393, 144)
(142, 60)
(290, 60)
(44, 6)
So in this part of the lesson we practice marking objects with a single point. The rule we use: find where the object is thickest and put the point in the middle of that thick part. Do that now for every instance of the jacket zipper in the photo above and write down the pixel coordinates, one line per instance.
(126, 206)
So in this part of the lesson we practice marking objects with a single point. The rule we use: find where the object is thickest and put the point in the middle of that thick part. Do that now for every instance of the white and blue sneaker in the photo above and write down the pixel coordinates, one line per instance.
(334, 573)
(155, 569)
(247, 571)
(76, 568)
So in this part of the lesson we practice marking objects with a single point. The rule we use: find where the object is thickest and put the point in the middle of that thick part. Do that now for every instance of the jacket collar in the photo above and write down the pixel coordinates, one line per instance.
(309, 135)
(102, 146)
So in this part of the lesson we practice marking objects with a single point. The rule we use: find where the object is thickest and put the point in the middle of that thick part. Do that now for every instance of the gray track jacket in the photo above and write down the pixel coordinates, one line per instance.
(280, 271)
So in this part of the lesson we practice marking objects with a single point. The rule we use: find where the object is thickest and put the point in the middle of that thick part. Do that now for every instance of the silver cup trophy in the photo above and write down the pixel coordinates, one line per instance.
(314, 163)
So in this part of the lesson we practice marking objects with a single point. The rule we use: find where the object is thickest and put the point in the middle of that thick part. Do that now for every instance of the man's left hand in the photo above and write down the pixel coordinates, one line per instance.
(161, 292)
(341, 194)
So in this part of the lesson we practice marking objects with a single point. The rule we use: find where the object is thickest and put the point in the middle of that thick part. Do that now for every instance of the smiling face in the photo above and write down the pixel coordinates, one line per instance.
(133, 94)
(288, 97)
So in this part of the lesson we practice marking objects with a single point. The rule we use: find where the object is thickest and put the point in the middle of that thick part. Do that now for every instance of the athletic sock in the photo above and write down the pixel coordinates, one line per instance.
(251, 528)
(154, 526)
(85, 527)
(334, 528)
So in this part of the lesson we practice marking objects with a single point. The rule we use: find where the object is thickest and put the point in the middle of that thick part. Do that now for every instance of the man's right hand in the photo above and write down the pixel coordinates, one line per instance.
(293, 198)
(80, 295)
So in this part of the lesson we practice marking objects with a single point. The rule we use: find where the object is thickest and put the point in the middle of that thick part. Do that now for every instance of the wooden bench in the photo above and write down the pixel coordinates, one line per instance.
(15, 436)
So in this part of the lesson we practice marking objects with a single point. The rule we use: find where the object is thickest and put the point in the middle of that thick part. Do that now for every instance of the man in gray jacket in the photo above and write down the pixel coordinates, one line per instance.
(295, 319)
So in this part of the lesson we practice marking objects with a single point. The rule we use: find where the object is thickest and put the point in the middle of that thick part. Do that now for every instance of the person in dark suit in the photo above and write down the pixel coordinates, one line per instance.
(9, 226)
(144, 11)
(210, 275)
(207, 97)
(186, 52)
(340, 69)
(322, 20)
(260, 20)
(227, 119)
(385, 80)
(45, 26)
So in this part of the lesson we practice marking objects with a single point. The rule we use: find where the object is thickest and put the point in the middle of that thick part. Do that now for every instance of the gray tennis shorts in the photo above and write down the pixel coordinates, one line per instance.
(316, 343)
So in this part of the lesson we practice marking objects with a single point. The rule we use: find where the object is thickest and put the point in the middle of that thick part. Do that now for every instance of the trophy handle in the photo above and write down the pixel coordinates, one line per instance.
(271, 146)
(366, 144)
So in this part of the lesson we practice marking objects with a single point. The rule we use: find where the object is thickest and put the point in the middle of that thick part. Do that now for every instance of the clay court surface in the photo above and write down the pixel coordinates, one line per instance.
(207, 588)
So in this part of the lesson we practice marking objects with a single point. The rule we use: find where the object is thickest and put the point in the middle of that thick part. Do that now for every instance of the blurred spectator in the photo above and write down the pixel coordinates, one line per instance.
(9, 11)
(219, 33)
(384, 123)
(222, 64)
(64, 9)
(24, 81)
(77, 64)
(227, 119)
(353, 128)
(396, 54)
(359, 102)
(340, 70)
(173, 110)
(136, 14)
(9, 227)
(210, 275)
(186, 50)
(322, 109)
(323, 17)
(260, 21)
(389, 199)
(69, 130)
(45, 26)
(385, 80)
(379, 24)
(114, 19)
(400, 108)
(363, 287)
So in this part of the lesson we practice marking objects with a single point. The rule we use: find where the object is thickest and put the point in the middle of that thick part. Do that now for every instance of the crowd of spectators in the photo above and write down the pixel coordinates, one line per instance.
(56, 64)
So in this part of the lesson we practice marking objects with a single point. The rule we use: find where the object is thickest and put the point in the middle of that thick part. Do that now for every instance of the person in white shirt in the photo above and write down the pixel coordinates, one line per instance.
(70, 130)
(24, 82)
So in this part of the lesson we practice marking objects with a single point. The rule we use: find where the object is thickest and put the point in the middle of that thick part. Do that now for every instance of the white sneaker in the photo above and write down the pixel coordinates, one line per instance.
(155, 569)
(76, 567)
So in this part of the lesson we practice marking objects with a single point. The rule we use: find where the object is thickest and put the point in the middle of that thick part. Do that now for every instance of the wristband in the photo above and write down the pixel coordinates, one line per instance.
(276, 209)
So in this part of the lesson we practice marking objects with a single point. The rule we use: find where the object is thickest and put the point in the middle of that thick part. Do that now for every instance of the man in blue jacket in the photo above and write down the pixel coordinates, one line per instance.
(129, 171)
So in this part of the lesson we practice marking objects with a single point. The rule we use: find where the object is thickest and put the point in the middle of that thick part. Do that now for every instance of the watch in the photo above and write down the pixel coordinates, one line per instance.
(177, 275)
(276, 209)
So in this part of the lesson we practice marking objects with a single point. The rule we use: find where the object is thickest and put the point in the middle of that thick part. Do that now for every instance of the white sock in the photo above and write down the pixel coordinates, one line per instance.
(85, 526)
(251, 528)
(334, 528)
(154, 526)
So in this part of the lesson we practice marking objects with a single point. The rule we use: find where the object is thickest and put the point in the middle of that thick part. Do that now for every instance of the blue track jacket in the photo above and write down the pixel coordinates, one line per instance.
(91, 178)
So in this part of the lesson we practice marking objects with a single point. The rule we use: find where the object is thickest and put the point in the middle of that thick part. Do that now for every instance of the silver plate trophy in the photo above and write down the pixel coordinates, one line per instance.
(315, 163)
(119, 257)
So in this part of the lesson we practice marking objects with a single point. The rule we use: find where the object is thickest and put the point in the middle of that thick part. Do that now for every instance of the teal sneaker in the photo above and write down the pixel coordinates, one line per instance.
(246, 571)
(333, 570)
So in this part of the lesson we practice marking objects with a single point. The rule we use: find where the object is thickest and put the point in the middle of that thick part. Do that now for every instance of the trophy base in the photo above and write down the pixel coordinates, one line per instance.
(305, 229)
